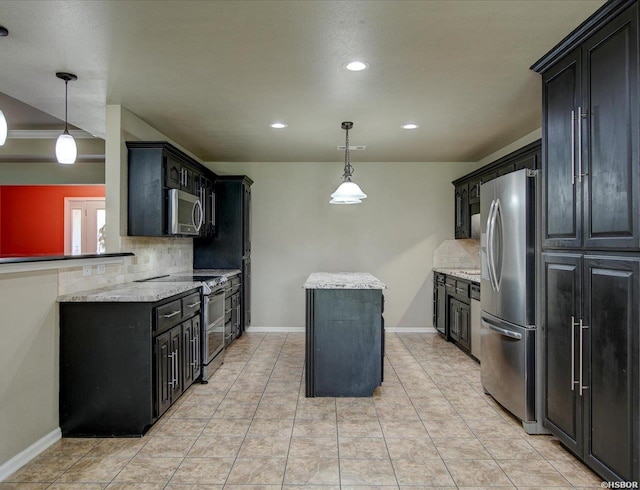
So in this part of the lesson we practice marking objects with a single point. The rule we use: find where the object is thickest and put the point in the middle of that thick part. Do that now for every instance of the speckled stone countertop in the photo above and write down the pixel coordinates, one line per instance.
(472, 275)
(343, 280)
(131, 292)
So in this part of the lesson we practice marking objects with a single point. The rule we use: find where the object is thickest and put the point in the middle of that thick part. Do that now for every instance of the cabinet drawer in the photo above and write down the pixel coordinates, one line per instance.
(168, 315)
(462, 290)
(190, 305)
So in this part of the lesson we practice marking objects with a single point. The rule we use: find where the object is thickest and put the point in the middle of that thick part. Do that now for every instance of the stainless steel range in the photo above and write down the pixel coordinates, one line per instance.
(213, 317)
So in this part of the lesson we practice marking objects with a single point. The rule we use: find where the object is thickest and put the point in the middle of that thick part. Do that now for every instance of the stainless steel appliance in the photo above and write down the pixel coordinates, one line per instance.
(213, 317)
(185, 213)
(508, 329)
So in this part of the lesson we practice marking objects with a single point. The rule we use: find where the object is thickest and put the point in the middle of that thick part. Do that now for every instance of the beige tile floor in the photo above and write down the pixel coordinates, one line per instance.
(429, 425)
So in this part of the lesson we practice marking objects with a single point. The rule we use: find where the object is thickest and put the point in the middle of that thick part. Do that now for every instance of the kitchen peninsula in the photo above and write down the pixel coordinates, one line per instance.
(344, 334)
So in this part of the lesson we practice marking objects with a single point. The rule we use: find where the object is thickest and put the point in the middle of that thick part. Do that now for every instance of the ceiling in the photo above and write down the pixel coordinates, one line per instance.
(212, 75)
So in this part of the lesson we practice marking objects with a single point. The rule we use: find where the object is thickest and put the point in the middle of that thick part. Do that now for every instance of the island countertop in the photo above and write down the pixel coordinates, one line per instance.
(343, 280)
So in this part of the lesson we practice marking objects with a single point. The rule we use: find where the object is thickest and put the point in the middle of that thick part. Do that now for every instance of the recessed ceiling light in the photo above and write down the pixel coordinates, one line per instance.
(356, 66)
(278, 125)
(409, 126)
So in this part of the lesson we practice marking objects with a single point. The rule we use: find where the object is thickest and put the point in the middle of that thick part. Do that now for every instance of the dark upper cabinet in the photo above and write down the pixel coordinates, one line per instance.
(462, 217)
(590, 129)
(592, 320)
(153, 169)
(468, 188)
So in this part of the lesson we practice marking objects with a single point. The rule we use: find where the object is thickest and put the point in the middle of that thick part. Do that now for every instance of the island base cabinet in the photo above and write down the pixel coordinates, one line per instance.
(592, 323)
(344, 342)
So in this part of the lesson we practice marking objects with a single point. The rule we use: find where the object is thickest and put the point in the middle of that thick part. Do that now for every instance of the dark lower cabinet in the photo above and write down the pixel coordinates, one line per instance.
(440, 304)
(123, 364)
(592, 322)
(460, 322)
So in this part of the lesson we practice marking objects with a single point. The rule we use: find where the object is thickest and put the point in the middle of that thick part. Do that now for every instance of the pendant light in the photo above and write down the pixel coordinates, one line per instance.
(66, 150)
(3, 129)
(348, 192)
(4, 32)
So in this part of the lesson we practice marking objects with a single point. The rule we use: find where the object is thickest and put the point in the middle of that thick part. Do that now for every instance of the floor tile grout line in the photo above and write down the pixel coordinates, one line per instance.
(254, 413)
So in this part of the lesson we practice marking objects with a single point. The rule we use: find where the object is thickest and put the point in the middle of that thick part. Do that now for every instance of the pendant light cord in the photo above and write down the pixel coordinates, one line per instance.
(348, 169)
(66, 99)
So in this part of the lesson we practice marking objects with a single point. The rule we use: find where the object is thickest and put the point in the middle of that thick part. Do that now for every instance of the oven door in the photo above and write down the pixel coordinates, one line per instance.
(213, 325)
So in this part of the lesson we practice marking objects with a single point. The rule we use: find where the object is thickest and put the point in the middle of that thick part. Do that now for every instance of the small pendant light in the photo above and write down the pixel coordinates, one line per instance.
(66, 150)
(4, 32)
(3, 129)
(348, 192)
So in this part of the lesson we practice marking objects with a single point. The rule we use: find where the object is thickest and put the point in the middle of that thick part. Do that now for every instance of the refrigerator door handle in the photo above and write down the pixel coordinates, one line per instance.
(505, 332)
(490, 244)
(497, 221)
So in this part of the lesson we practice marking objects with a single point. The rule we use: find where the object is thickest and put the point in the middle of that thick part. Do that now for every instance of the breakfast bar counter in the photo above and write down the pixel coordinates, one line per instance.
(344, 334)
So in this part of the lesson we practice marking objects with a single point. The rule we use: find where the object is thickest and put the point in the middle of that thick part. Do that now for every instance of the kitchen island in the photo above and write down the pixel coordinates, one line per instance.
(344, 334)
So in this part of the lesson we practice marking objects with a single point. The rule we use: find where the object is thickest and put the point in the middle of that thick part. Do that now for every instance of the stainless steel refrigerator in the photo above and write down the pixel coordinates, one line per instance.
(507, 293)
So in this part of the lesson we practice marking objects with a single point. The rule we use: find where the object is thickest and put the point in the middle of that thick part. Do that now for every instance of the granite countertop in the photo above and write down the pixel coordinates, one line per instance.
(143, 292)
(472, 275)
(343, 280)
(131, 292)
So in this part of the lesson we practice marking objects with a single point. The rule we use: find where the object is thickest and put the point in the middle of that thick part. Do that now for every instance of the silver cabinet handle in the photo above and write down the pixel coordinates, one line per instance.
(197, 303)
(173, 313)
(579, 119)
(582, 328)
(194, 363)
(573, 353)
(177, 368)
(460, 290)
(506, 333)
(171, 375)
(573, 147)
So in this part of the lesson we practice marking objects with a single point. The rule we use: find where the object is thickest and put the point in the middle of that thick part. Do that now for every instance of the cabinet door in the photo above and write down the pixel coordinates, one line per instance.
(441, 324)
(246, 220)
(245, 299)
(505, 169)
(561, 202)
(454, 319)
(163, 372)
(173, 172)
(610, 366)
(531, 161)
(610, 135)
(188, 357)
(465, 324)
(196, 366)
(175, 346)
(474, 191)
(562, 310)
(462, 218)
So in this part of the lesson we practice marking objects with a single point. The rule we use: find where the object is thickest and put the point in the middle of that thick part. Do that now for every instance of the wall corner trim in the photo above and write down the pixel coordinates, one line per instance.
(23, 457)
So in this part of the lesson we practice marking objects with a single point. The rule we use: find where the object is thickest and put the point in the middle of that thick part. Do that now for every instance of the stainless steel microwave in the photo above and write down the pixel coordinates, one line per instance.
(185, 213)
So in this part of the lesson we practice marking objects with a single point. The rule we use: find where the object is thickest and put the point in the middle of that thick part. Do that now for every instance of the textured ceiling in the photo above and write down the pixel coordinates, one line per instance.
(212, 75)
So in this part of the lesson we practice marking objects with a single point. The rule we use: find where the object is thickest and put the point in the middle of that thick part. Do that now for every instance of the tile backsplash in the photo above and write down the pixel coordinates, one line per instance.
(457, 254)
(153, 257)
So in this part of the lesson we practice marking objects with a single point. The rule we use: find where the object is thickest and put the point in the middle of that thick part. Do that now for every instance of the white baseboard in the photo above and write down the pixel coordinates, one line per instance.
(22, 458)
(301, 329)
(275, 329)
(410, 329)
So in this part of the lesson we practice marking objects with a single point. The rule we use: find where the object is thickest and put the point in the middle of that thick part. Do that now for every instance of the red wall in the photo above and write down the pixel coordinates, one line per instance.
(32, 217)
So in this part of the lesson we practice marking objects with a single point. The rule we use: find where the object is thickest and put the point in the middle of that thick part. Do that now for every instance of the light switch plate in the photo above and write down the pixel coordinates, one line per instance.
(100, 269)
(86, 270)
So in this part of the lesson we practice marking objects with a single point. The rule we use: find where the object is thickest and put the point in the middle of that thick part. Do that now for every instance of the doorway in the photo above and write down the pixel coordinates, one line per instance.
(84, 230)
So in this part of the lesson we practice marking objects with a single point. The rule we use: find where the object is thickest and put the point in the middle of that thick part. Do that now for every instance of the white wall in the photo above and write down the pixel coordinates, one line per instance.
(392, 234)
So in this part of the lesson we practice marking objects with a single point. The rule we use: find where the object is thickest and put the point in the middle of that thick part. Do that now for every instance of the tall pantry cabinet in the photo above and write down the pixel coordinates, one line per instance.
(231, 246)
(591, 241)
